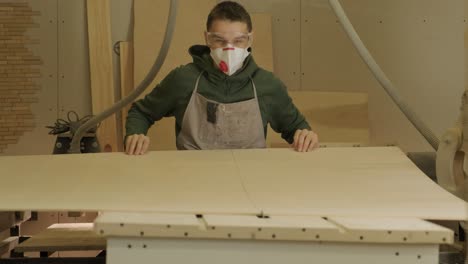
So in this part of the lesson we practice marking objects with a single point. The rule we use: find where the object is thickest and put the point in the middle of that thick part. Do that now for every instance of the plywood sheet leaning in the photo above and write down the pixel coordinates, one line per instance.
(101, 67)
(150, 23)
(337, 117)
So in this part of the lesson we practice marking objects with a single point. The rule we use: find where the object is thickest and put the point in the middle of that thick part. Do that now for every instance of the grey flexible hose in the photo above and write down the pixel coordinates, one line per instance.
(75, 143)
(380, 75)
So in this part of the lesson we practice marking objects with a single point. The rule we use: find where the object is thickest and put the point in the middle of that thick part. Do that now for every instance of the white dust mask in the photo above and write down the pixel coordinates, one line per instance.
(229, 59)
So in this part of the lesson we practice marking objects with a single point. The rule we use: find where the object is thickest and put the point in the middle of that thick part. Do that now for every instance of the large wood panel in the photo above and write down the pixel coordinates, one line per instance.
(374, 182)
(101, 69)
(344, 181)
(176, 181)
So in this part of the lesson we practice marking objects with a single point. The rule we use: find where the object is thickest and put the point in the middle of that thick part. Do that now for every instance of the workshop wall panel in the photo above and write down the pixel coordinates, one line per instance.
(286, 32)
(38, 94)
(73, 58)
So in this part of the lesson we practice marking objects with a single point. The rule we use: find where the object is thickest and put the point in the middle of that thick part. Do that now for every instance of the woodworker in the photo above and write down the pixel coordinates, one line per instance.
(222, 100)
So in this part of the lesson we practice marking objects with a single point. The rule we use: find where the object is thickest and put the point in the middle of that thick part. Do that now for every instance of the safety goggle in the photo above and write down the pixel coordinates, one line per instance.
(236, 39)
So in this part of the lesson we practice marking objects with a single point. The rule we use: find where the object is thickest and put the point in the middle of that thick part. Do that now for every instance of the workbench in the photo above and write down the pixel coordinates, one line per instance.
(332, 205)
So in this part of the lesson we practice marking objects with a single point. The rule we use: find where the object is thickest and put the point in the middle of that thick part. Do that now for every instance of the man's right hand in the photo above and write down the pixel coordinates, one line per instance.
(137, 144)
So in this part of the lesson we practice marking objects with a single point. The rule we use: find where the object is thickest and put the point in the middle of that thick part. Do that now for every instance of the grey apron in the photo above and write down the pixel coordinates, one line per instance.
(208, 124)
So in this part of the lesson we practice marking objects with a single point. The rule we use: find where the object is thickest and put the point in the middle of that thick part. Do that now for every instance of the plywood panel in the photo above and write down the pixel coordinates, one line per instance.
(334, 116)
(175, 181)
(343, 182)
(377, 182)
(101, 68)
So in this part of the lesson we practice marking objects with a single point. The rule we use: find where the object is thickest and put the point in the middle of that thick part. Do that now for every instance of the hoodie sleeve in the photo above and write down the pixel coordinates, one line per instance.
(285, 118)
(159, 103)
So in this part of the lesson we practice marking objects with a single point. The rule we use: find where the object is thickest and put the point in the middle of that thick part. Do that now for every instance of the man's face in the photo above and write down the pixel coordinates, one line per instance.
(224, 32)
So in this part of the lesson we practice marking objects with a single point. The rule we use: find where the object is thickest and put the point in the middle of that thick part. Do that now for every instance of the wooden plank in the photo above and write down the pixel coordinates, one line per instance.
(335, 116)
(279, 228)
(401, 230)
(101, 69)
(361, 182)
(147, 224)
(203, 226)
(64, 237)
(342, 229)
(126, 75)
(272, 222)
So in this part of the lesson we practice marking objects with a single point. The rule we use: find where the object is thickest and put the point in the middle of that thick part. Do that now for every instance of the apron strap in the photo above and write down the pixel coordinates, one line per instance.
(254, 87)
(196, 83)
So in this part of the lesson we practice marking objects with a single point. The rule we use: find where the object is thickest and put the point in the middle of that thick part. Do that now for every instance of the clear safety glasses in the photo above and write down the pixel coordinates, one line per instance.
(236, 39)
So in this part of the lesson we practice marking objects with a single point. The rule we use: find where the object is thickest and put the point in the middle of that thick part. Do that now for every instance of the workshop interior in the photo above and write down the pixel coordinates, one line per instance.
(382, 82)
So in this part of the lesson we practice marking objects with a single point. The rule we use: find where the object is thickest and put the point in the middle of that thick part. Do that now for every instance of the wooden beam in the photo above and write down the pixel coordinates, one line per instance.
(101, 67)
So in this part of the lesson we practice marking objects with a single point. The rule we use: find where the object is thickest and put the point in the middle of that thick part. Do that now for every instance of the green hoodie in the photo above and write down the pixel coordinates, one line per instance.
(172, 95)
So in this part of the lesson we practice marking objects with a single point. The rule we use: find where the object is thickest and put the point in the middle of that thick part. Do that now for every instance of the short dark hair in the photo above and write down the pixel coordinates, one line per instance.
(229, 10)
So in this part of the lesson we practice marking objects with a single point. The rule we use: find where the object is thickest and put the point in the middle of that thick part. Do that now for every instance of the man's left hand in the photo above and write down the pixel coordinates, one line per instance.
(305, 140)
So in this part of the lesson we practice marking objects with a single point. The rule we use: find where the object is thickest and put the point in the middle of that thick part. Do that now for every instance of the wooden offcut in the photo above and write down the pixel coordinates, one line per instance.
(101, 70)
(64, 237)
